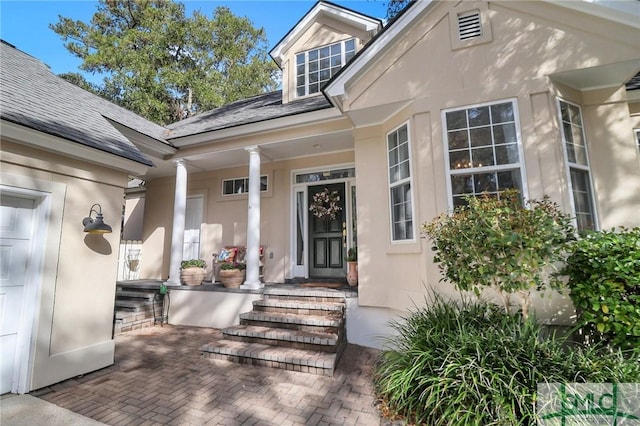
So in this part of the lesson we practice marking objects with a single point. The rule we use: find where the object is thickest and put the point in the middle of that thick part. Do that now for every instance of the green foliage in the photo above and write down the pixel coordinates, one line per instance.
(500, 243)
(227, 266)
(198, 263)
(166, 66)
(472, 364)
(394, 7)
(604, 280)
(352, 254)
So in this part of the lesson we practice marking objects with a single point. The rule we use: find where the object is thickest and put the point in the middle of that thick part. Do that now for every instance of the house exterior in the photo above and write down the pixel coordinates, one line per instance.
(449, 99)
(393, 123)
(61, 154)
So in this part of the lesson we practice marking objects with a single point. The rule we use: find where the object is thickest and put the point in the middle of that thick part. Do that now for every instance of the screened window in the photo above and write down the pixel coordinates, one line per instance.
(241, 185)
(483, 150)
(315, 67)
(401, 198)
(578, 165)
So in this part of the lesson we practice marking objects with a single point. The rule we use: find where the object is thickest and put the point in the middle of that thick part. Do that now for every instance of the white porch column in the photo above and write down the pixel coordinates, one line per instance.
(253, 222)
(177, 232)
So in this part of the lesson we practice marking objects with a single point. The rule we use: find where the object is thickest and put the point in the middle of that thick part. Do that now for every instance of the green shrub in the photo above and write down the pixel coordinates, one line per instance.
(604, 283)
(198, 263)
(228, 266)
(473, 364)
(502, 244)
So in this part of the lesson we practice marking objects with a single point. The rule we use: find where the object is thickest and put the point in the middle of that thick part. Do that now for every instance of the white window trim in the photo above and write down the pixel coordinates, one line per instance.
(244, 192)
(521, 163)
(409, 180)
(306, 63)
(296, 270)
(569, 166)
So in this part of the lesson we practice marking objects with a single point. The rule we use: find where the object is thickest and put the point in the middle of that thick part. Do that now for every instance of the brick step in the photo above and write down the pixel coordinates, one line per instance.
(304, 294)
(312, 323)
(138, 295)
(298, 307)
(128, 316)
(314, 362)
(137, 306)
(296, 339)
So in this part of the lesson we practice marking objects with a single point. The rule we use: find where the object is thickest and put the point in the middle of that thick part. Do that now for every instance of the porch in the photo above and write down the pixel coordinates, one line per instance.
(160, 377)
(297, 326)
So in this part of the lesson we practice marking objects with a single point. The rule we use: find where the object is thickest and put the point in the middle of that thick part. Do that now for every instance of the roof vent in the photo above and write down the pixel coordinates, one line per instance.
(469, 25)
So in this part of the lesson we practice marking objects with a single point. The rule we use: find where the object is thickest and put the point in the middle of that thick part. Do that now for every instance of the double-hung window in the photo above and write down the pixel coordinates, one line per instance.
(482, 150)
(398, 149)
(575, 148)
(315, 67)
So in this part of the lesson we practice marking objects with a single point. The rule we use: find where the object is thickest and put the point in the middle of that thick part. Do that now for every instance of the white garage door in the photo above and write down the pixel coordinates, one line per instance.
(16, 230)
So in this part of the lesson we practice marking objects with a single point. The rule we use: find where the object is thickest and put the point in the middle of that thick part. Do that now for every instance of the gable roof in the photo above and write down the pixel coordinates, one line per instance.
(34, 97)
(259, 108)
(626, 13)
(325, 8)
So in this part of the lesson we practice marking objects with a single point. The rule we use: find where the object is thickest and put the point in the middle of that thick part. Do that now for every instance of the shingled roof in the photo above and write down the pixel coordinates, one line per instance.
(32, 96)
(259, 108)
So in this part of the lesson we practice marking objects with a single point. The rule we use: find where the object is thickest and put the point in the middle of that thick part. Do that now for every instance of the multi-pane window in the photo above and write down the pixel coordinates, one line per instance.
(578, 165)
(241, 185)
(315, 67)
(483, 150)
(398, 149)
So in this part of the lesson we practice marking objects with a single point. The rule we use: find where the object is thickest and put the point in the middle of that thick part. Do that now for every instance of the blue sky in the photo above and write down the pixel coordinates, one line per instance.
(25, 24)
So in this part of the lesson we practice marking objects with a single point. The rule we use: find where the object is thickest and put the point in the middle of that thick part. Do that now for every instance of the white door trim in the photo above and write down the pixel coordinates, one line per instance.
(294, 269)
(33, 286)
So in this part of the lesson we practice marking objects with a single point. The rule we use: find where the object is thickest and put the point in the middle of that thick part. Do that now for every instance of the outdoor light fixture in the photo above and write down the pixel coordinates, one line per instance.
(97, 225)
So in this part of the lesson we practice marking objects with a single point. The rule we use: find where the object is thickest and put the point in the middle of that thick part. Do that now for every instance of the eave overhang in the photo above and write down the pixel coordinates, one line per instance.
(372, 52)
(321, 8)
(29, 137)
(275, 124)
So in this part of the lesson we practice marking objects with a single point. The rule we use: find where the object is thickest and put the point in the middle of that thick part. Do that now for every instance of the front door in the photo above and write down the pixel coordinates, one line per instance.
(326, 233)
(16, 223)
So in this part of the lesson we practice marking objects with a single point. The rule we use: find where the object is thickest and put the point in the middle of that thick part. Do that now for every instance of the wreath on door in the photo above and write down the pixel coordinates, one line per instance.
(325, 204)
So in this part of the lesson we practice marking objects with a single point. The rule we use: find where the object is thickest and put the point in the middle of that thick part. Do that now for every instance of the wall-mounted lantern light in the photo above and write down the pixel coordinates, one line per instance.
(97, 225)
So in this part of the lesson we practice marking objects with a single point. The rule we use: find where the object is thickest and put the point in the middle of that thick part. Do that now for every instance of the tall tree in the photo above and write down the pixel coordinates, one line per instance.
(166, 66)
(396, 6)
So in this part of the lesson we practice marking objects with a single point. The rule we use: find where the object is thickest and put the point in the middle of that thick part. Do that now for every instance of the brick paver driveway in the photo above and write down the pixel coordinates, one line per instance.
(159, 377)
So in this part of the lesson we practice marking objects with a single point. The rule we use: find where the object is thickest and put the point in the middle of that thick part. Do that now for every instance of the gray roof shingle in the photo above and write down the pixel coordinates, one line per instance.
(259, 108)
(32, 96)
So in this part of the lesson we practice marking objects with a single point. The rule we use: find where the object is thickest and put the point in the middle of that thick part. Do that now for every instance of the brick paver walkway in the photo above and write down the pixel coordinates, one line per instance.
(159, 377)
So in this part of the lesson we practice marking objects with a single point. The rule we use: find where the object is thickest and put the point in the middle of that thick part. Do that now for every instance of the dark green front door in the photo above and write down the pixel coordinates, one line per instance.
(326, 254)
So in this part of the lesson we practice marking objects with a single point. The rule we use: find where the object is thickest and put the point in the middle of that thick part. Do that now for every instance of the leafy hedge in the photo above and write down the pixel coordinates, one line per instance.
(501, 243)
(604, 282)
(473, 364)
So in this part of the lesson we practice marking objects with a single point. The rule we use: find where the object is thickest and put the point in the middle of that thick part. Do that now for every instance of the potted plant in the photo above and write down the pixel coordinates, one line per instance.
(352, 262)
(192, 271)
(232, 274)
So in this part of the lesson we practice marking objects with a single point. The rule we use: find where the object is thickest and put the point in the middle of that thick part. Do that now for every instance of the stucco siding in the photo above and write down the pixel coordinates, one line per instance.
(76, 282)
(225, 220)
(529, 42)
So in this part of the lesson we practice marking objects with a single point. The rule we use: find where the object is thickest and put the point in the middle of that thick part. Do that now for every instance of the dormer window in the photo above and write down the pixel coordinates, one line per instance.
(315, 67)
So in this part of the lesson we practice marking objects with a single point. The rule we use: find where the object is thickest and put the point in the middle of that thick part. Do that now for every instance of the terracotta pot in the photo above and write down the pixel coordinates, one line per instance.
(352, 274)
(231, 278)
(192, 275)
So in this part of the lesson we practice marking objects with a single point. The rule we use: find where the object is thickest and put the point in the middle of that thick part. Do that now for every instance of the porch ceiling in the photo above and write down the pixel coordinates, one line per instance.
(216, 159)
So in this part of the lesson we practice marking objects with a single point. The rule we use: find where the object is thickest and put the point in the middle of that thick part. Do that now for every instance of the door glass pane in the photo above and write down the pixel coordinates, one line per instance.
(300, 211)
